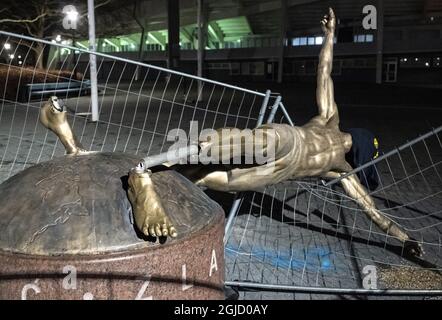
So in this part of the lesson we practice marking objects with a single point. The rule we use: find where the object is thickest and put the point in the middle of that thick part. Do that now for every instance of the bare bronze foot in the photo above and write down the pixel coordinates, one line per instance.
(150, 216)
(53, 117)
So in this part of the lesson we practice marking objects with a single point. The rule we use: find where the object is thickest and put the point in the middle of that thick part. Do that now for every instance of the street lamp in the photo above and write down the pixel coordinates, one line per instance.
(70, 22)
(58, 40)
(72, 14)
(7, 46)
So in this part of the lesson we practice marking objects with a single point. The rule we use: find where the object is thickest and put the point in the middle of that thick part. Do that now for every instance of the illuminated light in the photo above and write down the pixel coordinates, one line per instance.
(19, 56)
(427, 64)
(58, 38)
(104, 45)
(239, 40)
(181, 43)
(7, 46)
(64, 42)
(319, 40)
(72, 15)
(405, 59)
(53, 41)
(132, 46)
(11, 56)
(416, 59)
(20, 62)
(438, 58)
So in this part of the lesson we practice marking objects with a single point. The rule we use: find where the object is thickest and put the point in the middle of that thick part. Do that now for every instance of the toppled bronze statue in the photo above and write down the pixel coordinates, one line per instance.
(316, 149)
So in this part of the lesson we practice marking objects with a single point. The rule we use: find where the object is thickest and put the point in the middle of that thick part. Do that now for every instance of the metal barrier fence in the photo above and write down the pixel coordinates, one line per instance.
(138, 104)
(295, 237)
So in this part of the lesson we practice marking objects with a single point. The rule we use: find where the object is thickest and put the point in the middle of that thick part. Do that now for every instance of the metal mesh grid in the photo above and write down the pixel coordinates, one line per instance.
(311, 234)
(298, 233)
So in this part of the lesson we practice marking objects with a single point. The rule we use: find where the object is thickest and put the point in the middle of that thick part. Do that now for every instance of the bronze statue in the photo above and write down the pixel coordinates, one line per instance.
(316, 149)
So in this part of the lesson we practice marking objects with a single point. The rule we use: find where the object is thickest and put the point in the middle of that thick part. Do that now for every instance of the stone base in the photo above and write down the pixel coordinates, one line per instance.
(66, 232)
(190, 268)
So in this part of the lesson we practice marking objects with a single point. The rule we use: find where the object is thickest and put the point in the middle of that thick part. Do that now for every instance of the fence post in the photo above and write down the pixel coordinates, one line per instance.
(93, 60)
(274, 109)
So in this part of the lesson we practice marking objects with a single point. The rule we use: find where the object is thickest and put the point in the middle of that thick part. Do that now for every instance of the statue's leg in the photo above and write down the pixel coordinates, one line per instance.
(355, 190)
(258, 152)
(251, 178)
(229, 144)
(150, 216)
(53, 117)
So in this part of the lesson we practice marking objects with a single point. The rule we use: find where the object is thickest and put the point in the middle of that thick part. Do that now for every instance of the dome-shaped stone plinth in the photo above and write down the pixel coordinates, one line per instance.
(70, 218)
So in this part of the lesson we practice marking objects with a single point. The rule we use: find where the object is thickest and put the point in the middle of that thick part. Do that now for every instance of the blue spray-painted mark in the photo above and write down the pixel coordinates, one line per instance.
(310, 259)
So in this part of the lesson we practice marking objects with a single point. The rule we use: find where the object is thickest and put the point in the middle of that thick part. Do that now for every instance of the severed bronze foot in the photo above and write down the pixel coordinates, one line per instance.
(53, 117)
(150, 216)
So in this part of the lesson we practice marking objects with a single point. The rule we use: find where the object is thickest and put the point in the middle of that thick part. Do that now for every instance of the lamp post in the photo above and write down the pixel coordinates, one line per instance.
(70, 22)
(93, 60)
(58, 40)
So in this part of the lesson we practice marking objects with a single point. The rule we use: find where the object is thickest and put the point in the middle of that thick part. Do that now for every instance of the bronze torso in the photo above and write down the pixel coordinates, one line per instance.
(308, 151)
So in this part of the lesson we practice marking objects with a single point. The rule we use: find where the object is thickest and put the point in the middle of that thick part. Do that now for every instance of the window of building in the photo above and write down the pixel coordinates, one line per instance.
(257, 68)
(307, 41)
(235, 68)
(245, 68)
(319, 40)
(363, 38)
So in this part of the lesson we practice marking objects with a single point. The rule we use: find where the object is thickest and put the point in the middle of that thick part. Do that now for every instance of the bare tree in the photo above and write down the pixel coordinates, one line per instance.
(37, 18)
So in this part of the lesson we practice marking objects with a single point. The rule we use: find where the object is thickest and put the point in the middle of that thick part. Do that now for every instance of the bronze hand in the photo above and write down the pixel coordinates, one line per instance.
(328, 23)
